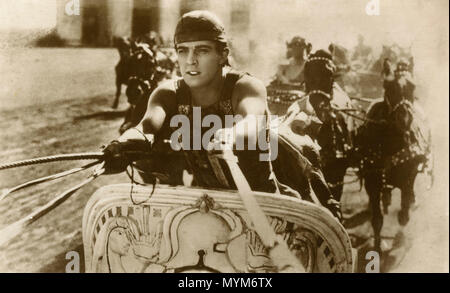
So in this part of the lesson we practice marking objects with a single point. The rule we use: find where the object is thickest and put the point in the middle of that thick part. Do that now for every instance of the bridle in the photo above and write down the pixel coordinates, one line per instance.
(144, 83)
(329, 96)
(401, 103)
(320, 92)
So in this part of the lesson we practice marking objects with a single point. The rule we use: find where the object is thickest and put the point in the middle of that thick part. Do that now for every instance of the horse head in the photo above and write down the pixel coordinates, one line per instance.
(399, 84)
(120, 42)
(137, 88)
(319, 78)
(402, 116)
(142, 79)
(124, 46)
(399, 96)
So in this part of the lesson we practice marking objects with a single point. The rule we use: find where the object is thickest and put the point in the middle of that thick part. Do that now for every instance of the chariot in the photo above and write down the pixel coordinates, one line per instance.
(169, 229)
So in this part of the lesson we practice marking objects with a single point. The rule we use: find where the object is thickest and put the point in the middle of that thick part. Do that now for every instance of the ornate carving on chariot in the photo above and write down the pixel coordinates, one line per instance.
(199, 230)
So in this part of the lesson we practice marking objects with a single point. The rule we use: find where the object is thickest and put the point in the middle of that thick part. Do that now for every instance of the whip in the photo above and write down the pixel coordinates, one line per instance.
(54, 158)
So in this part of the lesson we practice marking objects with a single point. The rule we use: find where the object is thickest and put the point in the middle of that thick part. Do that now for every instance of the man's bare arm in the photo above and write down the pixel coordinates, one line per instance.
(159, 105)
(250, 100)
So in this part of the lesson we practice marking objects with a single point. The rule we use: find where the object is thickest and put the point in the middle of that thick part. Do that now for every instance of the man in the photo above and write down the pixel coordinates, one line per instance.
(208, 86)
(202, 56)
(363, 53)
(297, 52)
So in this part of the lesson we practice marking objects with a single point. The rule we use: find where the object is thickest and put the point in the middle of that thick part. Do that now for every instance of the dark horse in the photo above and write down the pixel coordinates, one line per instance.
(329, 102)
(126, 67)
(394, 144)
(142, 81)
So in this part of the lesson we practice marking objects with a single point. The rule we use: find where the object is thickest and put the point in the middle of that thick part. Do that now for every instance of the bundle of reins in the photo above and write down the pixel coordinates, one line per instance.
(12, 230)
(279, 252)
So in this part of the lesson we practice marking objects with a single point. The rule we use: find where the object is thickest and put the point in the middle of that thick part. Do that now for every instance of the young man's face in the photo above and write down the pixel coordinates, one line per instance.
(200, 62)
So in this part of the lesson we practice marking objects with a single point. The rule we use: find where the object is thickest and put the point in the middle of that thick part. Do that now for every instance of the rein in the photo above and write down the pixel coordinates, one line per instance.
(46, 178)
(54, 158)
(364, 119)
(9, 232)
(320, 92)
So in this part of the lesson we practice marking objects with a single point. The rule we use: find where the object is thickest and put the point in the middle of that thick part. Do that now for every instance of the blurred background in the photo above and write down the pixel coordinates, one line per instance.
(258, 29)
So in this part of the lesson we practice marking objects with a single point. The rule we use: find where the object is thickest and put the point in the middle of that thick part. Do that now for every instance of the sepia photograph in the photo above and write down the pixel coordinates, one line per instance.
(224, 136)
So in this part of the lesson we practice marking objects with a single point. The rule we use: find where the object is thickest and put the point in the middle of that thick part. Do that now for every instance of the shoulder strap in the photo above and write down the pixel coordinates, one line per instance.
(183, 96)
(230, 80)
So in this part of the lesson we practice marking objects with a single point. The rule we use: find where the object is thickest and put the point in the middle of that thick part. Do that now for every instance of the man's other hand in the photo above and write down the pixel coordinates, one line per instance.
(118, 155)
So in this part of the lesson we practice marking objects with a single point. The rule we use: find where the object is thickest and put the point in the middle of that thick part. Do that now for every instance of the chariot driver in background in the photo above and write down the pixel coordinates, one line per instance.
(363, 54)
(210, 87)
(292, 72)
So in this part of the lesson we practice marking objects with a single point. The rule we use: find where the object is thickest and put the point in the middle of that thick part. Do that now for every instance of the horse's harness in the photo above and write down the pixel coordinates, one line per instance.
(335, 127)
(146, 85)
(398, 158)
(320, 92)
(407, 153)
(404, 101)
(328, 62)
(144, 79)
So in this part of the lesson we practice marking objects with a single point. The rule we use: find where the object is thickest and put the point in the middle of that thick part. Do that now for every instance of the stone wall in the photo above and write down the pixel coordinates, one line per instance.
(100, 20)
(68, 27)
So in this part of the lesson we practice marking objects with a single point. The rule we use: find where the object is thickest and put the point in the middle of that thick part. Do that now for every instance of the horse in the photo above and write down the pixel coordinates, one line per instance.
(128, 48)
(122, 69)
(395, 145)
(330, 102)
(141, 82)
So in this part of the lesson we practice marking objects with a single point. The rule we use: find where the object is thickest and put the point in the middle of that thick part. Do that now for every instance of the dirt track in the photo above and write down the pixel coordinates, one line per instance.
(72, 118)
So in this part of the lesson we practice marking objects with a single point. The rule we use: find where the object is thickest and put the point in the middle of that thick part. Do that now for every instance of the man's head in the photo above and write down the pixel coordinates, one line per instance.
(298, 48)
(201, 46)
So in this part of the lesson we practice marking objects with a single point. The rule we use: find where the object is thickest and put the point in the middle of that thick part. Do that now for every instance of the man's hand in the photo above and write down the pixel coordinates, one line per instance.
(223, 140)
(118, 155)
(125, 126)
(300, 123)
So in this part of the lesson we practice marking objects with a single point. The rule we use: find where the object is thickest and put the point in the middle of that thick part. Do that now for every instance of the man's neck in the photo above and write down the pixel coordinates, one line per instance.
(210, 93)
